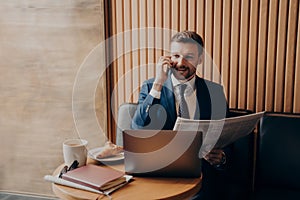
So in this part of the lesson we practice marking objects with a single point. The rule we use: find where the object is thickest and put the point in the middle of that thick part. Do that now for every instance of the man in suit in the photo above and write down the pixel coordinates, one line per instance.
(175, 91)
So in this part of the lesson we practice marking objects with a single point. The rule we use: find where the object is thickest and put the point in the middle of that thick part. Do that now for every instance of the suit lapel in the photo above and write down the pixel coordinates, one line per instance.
(168, 99)
(203, 110)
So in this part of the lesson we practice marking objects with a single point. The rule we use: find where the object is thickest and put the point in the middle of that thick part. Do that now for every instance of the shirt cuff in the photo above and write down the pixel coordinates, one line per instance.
(156, 94)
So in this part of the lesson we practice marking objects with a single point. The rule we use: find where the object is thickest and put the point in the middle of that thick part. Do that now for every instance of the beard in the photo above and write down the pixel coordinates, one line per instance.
(184, 73)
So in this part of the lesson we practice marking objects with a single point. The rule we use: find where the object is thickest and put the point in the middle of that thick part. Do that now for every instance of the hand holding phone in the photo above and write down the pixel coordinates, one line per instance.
(162, 68)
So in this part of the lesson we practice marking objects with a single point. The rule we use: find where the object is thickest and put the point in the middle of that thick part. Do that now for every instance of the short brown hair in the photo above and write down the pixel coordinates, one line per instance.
(189, 37)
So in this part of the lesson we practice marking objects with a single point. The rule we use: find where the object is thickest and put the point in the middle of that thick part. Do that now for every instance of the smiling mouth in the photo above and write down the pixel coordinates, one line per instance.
(181, 69)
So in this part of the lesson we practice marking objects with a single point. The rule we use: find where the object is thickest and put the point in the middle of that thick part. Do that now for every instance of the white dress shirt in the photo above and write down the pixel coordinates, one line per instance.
(189, 94)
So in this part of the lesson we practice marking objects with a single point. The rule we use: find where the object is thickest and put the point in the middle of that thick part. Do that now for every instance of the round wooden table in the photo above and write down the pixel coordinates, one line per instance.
(139, 188)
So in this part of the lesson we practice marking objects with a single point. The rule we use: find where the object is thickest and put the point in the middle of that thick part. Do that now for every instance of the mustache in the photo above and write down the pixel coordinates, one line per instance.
(181, 67)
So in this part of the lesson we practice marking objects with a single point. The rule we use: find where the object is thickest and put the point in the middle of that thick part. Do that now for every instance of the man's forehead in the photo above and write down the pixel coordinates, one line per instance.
(184, 48)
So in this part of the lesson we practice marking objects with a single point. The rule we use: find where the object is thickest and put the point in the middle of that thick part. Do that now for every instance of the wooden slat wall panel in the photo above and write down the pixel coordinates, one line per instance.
(254, 46)
(297, 70)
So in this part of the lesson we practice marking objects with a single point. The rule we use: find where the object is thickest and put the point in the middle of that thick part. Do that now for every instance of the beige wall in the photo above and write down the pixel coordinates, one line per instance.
(42, 45)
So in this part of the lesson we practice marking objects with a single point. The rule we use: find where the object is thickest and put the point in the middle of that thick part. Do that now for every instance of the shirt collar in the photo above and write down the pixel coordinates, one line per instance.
(190, 84)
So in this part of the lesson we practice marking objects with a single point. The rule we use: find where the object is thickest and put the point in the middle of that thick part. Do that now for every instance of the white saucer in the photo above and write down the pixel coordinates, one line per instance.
(94, 152)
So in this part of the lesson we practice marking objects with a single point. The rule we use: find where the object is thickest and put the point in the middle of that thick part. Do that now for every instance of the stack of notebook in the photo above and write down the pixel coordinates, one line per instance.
(93, 178)
(96, 177)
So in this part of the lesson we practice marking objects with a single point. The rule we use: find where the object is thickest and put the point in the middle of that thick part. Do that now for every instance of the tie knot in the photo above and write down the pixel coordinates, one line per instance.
(182, 88)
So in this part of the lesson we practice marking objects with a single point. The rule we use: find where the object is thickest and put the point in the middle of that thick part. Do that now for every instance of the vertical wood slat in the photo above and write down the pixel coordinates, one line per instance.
(225, 56)
(175, 15)
(143, 40)
(191, 15)
(135, 50)
(252, 61)
(208, 64)
(200, 20)
(217, 41)
(261, 59)
(243, 55)
(200, 29)
(166, 25)
(234, 55)
(128, 46)
(280, 56)
(120, 96)
(290, 56)
(151, 37)
(114, 61)
(158, 30)
(183, 15)
(271, 55)
(296, 104)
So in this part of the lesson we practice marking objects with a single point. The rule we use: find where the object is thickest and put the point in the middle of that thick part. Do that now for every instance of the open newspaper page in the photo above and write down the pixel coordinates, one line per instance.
(220, 133)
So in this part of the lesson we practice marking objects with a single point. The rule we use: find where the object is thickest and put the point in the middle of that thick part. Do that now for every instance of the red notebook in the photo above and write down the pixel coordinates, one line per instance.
(99, 178)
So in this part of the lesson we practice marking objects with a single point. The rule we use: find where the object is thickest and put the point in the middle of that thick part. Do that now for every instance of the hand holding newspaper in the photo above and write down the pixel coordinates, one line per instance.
(219, 133)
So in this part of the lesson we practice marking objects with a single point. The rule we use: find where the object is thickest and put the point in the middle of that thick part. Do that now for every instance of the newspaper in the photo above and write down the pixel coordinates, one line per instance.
(220, 133)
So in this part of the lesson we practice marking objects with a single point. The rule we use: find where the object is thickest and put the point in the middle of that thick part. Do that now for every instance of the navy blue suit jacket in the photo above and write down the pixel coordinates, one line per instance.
(161, 113)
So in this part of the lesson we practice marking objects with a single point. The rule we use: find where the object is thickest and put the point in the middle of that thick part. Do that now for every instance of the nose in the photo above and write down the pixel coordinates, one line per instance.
(180, 61)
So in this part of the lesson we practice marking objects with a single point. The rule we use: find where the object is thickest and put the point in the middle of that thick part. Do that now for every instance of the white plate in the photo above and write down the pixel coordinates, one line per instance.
(94, 152)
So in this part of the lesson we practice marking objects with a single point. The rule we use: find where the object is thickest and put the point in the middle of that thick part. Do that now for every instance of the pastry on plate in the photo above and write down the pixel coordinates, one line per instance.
(109, 150)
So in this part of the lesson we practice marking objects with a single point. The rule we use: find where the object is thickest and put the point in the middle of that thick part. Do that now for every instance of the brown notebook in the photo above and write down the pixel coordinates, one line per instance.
(99, 178)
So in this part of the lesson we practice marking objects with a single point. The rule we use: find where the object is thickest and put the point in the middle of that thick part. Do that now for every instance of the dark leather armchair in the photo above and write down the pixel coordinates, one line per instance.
(278, 157)
(241, 168)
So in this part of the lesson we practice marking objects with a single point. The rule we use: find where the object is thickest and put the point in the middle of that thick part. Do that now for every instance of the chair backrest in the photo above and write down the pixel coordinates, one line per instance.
(278, 156)
(242, 169)
(125, 115)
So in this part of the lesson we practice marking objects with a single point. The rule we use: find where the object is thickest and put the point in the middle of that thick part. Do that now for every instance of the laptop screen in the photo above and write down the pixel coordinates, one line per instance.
(162, 153)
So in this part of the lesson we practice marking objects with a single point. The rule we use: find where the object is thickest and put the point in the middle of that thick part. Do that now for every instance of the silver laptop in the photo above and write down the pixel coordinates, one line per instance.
(164, 153)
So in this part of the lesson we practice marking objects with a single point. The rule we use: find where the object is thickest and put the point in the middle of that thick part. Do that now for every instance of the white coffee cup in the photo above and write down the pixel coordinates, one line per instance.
(75, 149)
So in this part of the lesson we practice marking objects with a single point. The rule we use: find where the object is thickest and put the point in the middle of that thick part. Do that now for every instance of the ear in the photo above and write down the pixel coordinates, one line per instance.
(200, 59)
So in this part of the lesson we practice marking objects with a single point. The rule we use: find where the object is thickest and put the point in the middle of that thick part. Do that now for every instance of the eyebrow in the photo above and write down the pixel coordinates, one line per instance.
(188, 54)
